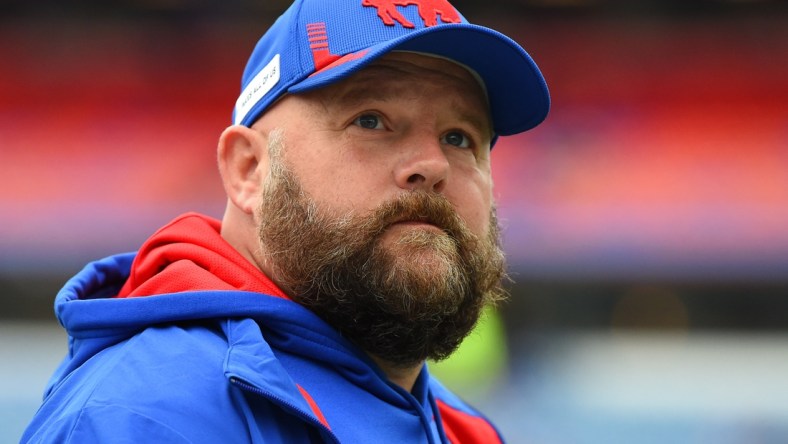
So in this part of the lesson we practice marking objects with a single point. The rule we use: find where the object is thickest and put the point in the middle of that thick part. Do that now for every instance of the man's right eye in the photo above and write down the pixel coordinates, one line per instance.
(368, 121)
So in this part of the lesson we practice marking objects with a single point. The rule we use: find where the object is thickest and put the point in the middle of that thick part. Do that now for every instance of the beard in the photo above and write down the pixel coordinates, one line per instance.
(409, 298)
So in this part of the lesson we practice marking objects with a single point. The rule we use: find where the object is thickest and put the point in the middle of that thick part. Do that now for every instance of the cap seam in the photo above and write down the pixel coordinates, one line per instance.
(295, 32)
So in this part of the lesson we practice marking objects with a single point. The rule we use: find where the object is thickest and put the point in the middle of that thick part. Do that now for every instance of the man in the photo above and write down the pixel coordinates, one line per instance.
(359, 240)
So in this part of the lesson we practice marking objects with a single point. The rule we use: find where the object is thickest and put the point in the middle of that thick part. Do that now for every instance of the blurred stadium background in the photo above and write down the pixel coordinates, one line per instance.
(646, 220)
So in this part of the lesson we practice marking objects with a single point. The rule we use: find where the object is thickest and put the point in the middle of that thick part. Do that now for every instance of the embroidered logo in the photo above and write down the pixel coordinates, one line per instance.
(429, 10)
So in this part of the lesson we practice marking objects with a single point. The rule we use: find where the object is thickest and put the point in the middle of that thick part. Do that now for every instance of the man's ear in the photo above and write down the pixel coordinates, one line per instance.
(243, 164)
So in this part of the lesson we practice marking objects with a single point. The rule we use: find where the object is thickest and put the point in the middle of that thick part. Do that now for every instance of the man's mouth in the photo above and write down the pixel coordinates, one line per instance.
(424, 222)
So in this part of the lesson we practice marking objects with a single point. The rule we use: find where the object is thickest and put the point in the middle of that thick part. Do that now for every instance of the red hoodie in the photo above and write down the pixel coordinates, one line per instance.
(189, 254)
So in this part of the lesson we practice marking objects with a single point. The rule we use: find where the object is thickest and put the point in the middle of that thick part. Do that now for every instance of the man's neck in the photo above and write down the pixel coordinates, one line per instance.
(404, 377)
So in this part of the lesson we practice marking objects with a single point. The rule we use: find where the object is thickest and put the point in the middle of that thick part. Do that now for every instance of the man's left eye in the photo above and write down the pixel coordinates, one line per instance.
(368, 121)
(456, 138)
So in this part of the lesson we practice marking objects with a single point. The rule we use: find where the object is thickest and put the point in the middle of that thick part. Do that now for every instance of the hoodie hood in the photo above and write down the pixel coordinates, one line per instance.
(190, 274)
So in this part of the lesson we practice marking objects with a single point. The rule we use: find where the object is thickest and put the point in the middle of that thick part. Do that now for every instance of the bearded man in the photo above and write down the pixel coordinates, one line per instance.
(359, 240)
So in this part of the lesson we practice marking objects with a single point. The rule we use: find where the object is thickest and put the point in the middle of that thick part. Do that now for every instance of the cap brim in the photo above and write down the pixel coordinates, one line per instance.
(519, 99)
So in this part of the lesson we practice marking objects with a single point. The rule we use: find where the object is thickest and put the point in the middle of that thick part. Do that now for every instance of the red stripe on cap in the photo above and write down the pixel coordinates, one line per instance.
(344, 59)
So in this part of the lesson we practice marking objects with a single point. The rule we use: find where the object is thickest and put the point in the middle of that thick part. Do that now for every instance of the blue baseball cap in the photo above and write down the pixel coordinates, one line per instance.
(316, 43)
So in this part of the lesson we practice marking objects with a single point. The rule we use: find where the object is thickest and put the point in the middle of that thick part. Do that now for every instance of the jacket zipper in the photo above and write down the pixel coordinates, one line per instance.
(295, 410)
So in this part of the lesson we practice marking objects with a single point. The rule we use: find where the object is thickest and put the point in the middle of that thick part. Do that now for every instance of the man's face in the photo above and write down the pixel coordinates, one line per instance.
(377, 211)
(407, 122)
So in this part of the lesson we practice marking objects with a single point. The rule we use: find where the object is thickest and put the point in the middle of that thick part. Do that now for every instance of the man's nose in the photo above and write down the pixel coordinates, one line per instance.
(423, 166)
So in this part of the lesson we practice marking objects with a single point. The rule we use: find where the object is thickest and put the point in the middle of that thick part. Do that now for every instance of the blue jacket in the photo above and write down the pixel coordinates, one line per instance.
(225, 367)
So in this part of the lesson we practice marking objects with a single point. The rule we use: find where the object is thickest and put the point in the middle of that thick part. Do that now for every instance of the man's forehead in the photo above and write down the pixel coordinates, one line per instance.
(404, 75)
(419, 64)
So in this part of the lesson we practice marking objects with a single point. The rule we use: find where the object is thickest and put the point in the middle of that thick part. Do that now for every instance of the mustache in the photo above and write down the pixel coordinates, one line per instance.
(418, 206)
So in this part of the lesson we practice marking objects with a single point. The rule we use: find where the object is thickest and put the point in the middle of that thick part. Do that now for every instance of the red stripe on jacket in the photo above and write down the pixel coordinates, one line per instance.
(462, 428)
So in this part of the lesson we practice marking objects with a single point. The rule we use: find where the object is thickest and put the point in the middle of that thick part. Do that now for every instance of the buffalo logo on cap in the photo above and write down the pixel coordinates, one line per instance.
(429, 11)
